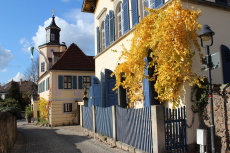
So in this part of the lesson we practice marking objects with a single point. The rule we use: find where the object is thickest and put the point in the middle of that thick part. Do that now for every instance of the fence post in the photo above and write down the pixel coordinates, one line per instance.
(114, 125)
(158, 128)
(81, 115)
(94, 119)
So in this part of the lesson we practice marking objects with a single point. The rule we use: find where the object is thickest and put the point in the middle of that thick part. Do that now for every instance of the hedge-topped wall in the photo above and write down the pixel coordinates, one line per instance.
(221, 108)
(8, 131)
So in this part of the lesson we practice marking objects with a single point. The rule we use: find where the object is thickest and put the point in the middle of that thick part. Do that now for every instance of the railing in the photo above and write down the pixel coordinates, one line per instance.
(175, 128)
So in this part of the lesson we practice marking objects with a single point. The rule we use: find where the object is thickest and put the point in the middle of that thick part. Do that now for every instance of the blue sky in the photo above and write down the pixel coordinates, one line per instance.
(23, 22)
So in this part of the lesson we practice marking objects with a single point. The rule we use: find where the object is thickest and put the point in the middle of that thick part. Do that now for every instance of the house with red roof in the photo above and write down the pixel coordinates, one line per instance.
(63, 73)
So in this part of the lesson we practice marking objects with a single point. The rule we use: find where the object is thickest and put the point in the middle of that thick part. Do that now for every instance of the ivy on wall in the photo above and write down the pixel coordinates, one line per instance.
(170, 34)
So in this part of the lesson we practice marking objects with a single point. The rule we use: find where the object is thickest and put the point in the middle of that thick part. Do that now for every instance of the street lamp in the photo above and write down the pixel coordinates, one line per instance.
(205, 35)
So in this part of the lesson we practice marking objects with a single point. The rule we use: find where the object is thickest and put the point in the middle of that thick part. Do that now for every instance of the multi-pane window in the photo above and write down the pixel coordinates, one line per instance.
(43, 67)
(86, 81)
(67, 82)
(103, 36)
(149, 4)
(67, 107)
(52, 37)
(119, 21)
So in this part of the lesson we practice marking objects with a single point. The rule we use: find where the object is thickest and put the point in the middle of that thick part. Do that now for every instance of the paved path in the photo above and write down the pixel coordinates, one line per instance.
(63, 139)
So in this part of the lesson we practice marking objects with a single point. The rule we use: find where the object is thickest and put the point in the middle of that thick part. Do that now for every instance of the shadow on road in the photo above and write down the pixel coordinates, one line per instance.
(41, 139)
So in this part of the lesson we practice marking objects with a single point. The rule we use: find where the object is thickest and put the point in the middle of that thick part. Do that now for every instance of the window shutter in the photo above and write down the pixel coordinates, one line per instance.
(225, 53)
(60, 82)
(111, 26)
(158, 3)
(43, 88)
(125, 13)
(135, 16)
(80, 85)
(74, 82)
(107, 30)
(98, 40)
(46, 84)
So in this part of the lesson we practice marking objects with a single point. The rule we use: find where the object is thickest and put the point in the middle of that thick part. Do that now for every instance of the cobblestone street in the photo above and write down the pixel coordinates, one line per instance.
(63, 139)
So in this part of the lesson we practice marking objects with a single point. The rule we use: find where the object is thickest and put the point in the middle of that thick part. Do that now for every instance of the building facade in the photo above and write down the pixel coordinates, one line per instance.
(115, 22)
(63, 73)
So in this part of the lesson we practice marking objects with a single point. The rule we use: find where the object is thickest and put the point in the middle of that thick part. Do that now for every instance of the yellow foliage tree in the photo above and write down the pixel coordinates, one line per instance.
(170, 34)
(43, 108)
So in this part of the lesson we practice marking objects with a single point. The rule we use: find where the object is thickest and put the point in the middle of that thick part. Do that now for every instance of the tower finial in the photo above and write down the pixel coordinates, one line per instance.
(53, 13)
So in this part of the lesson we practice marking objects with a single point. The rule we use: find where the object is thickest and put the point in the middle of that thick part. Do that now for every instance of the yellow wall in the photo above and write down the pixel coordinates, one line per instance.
(61, 96)
(46, 52)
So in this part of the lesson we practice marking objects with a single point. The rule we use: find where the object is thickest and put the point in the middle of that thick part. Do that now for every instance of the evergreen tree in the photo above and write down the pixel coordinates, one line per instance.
(14, 92)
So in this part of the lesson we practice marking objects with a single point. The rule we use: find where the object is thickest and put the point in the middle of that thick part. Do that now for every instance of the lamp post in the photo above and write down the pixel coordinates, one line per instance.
(206, 34)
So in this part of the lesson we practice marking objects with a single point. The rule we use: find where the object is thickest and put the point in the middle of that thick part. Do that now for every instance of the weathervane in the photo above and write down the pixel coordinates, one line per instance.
(53, 12)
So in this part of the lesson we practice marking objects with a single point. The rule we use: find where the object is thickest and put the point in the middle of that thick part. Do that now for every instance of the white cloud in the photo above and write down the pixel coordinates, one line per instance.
(80, 33)
(5, 57)
(4, 70)
(17, 77)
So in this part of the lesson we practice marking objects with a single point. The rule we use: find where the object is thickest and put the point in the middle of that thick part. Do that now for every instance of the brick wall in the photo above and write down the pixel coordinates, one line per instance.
(8, 131)
(221, 108)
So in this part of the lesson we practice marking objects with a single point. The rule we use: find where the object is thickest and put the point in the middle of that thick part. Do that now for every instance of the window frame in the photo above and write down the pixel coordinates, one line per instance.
(43, 67)
(88, 81)
(119, 20)
(67, 107)
(102, 36)
(52, 36)
(67, 83)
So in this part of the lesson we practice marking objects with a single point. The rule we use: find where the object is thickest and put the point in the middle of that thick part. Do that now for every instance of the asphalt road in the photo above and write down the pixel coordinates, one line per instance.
(64, 139)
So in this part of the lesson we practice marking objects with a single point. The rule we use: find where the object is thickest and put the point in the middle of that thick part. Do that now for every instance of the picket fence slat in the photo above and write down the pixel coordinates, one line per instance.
(175, 130)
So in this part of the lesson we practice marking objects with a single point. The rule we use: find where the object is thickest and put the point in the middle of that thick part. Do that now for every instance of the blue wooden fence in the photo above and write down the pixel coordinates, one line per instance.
(134, 127)
(104, 123)
(175, 128)
(87, 117)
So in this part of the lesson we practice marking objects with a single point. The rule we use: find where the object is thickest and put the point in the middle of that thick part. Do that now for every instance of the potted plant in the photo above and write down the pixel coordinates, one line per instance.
(29, 113)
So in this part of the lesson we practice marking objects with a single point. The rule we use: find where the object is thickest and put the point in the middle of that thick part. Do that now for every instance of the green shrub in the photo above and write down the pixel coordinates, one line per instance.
(10, 105)
(29, 112)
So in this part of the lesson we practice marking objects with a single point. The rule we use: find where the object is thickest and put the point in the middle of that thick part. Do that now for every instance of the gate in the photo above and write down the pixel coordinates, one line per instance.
(175, 128)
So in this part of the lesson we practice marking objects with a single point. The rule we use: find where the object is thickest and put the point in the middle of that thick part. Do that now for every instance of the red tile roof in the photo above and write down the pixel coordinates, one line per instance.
(74, 59)
(23, 85)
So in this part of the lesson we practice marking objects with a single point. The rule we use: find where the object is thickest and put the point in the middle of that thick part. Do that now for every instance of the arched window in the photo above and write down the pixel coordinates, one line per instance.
(119, 20)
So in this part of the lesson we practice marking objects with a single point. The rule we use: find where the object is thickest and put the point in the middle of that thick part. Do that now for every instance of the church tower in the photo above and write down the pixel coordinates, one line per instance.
(53, 33)
(51, 51)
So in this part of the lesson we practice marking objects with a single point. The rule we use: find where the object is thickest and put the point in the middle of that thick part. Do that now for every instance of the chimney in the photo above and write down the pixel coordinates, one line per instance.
(20, 81)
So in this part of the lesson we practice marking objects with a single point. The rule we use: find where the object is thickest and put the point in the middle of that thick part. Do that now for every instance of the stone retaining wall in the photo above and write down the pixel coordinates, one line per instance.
(221, 108)
(8, 131)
